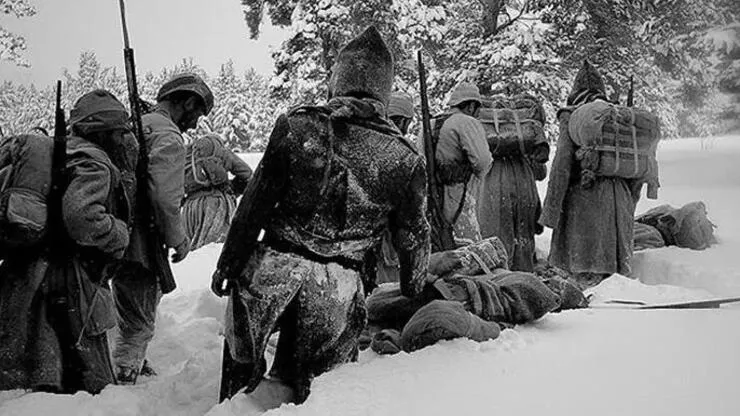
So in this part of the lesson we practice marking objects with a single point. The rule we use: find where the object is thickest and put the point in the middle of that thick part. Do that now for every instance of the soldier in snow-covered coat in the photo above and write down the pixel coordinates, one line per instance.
(592, 223)
(55, 309)
(332, 179)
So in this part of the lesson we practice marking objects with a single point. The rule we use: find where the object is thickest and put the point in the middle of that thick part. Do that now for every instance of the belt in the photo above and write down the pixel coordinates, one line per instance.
(289, 247)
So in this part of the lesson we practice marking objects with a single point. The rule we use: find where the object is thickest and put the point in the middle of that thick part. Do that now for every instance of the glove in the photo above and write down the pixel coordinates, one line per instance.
(217, 284)
(444, 261)
(221, 285)
(181, 251)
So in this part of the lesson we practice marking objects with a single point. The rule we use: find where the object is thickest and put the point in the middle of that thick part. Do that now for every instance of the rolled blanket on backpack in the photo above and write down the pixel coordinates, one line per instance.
(481, 257)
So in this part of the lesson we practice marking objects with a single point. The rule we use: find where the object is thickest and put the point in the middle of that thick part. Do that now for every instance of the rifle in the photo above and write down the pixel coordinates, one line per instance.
(441, 234)
(58, 175)
(159, 264)
(631, 93)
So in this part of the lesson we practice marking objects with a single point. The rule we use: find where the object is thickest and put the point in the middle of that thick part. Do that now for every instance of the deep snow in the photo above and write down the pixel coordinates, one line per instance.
(599, 361)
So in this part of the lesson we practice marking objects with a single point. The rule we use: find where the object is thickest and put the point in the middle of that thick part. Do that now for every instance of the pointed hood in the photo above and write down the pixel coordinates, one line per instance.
(587, 79)
(364, 68)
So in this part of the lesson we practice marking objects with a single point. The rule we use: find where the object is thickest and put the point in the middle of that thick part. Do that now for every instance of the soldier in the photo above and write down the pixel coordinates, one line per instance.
(180, 102)
(55, 310)
(210, 198)
(592, 224)
(332, 179)
(401, 111)
(463, 159)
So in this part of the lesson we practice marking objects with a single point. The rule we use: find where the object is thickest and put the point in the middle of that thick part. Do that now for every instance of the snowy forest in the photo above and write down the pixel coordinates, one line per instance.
(684, 57)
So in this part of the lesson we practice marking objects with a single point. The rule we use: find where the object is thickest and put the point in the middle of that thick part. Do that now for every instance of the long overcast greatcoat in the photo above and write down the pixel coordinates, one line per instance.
(592, 227)
(207, 210)
(324, 201)
(509, 206)
(33, 334)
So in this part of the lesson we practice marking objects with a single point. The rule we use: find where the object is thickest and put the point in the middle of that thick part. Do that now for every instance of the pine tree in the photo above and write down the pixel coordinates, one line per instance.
(12, 45)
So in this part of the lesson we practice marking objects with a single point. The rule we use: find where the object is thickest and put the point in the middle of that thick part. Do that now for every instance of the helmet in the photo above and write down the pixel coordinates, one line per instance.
(465, 91)
(400, 105)
(187, 82)
(98, 110)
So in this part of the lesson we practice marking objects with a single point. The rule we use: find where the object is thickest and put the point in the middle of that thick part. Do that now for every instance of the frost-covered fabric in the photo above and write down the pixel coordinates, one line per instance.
(592, 226)
(332, 179)
(322, 309)
(509, 206)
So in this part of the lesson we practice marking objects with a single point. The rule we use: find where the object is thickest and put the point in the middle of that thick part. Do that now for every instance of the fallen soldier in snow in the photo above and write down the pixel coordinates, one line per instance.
(686, 227)
(454, 304)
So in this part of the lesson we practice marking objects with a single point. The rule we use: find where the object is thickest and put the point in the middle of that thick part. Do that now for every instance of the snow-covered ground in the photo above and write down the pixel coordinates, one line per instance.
(597, 361)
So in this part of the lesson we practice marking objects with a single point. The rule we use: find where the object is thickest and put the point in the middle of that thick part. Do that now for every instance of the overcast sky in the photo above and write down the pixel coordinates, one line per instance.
(162, 33)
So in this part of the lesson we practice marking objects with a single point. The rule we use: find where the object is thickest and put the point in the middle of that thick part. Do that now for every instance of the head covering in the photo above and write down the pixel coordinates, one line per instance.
(364, 67)
(96, 111)
(187, 82)
(465, 91)
(400, 104)
(588, 80)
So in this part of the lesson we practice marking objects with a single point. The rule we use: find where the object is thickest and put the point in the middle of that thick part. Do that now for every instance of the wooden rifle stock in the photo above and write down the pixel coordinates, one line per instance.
(441, 235)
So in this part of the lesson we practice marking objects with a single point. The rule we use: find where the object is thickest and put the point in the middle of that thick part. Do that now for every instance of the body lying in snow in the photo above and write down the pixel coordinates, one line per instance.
(455, 304)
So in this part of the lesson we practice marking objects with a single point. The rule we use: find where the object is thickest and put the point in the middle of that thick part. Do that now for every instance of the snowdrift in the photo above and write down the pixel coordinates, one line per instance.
(606, 362)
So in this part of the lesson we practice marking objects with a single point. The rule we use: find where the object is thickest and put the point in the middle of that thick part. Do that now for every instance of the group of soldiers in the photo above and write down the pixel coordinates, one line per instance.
(338, 183)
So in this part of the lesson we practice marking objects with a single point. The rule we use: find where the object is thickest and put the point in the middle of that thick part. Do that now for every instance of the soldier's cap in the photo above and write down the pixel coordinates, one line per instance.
(187, 82)
(465, 91)
(364, 68)
(400, 104)
(587, 79)
(98, 110)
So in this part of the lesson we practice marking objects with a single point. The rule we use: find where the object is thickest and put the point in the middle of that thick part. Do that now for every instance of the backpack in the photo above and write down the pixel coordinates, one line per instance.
(25, 184)
(616, 141)
(203, 167)
(687, 227)
(514, 126)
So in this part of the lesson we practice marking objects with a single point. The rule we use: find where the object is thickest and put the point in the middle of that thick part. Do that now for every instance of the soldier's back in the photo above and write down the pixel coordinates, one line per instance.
(344, 180)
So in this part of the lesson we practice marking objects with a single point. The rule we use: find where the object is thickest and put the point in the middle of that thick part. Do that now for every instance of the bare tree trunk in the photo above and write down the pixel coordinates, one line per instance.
(491, 9)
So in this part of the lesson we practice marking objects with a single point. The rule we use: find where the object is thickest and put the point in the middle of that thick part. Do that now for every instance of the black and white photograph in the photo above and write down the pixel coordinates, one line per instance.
(369, 207)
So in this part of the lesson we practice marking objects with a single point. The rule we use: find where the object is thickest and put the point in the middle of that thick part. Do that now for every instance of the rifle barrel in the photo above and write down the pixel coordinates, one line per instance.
(122, 6)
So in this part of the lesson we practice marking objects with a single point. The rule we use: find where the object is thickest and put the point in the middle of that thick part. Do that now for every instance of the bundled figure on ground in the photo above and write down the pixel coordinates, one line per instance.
(210, 197)
(138, 282)
(605, 154)
(509, 206)
(332, 179)
(685, 227)
(471, 295)
(462, 159)
(55, 303)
